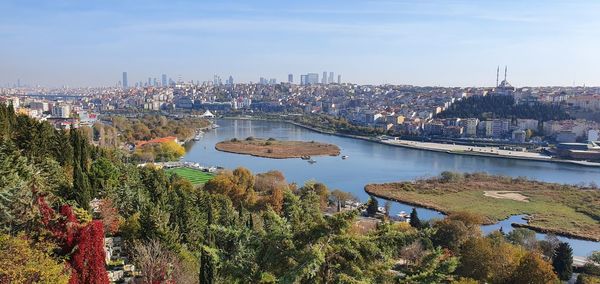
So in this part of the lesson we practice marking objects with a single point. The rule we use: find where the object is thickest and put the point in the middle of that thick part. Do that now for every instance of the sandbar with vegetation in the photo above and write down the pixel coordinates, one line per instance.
(556, 208)
(271, 148)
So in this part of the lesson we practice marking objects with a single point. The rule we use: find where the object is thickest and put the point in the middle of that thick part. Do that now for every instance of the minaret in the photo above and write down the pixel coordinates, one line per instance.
(505, 68)
(497, 75)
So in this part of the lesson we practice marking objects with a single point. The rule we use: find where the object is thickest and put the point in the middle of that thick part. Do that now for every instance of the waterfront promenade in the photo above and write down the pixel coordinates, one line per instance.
(481, 151)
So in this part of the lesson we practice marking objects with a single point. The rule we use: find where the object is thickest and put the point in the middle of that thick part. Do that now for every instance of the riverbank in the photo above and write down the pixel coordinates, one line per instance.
(552, 208)
(274, 149)
(489, 152)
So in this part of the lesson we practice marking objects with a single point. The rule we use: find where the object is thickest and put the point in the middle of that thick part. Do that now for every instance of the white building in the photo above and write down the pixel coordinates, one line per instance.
(63, 111)
(593, 135)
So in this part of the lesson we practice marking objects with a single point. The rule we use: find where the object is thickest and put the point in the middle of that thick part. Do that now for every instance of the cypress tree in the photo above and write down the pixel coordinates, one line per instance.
(207, 270)
(81, 188)
(81, 184)
(414, 219)
(372, 206)
(563, 261)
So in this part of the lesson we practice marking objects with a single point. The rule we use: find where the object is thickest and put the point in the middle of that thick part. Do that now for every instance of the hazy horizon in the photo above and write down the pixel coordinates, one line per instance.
(427, 43)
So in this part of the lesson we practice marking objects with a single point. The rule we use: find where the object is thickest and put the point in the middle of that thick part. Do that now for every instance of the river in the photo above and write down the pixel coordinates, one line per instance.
(371, 162)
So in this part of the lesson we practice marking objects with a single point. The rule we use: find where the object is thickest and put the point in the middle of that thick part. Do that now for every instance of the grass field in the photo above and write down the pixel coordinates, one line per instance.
(562, 209)
(196, 177)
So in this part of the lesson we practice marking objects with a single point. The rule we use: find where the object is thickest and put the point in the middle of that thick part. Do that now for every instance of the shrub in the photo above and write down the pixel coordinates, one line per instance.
(271, 139)
(447, 176)
(234, 140)
(249, 138)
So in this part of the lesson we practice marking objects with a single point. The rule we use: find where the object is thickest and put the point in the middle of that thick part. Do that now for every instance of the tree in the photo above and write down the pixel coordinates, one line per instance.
(563, 261)
(207, 270)
(276, 199)
(155, 262)
(109, 216)
(372, 206)
(523, 237)
(22, 263)
(415, 222)
(534, 270)
(435, 267)
(341, 197)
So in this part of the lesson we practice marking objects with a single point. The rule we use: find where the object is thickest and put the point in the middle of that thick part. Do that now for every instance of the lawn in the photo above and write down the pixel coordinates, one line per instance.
(552, 207)
(196, 177)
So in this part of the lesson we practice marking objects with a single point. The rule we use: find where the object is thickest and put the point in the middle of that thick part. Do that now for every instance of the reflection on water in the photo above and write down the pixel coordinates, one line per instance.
(370, 162)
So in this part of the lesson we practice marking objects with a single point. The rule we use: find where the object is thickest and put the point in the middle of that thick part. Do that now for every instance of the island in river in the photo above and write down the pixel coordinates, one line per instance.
(275, 149)
(551, 208)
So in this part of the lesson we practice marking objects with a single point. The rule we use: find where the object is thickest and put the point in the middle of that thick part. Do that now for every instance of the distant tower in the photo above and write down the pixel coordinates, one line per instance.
(324, 79)
(497, 75)
(290, 78)
(125, 84)
(330, 79)
(505, 68)
(339, 79)
(164, 80)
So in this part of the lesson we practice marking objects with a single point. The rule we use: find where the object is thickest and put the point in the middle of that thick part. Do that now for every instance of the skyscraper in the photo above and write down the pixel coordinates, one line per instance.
(125, 84)
(312, 78)
(303, 79)
(164, 80)
(149, 81)
(339, 79)
(330, 79)
(324, 79)
(290, 78)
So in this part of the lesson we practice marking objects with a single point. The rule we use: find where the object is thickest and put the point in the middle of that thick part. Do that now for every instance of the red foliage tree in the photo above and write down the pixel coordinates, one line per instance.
(109, 215)
(84, 243)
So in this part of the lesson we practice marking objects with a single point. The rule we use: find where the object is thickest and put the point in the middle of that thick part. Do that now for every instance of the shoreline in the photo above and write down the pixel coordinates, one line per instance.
(441, 148)
(517, 225)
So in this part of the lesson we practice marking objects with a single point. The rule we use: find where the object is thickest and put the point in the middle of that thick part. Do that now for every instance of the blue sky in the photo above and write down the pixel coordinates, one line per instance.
(441, 43)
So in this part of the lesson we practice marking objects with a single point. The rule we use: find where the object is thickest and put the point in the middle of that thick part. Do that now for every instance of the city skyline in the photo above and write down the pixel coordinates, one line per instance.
(436, 43)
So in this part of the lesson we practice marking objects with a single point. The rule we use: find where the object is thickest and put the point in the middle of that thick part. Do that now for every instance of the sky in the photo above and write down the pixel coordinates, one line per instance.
(426, 43)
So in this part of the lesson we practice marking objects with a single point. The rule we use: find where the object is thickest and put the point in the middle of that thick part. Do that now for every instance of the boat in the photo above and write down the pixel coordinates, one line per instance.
(311, 161)
(344, 157)
(305, 157)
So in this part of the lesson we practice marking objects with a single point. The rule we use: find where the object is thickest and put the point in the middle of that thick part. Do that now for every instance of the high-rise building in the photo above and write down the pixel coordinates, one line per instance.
(125, 84)
(149, 82)
(339, 79)
(164, 80)
(330, 79)
(303, 79)
(155, 82)
(290, 78)
(324, 79)
(312, 78)
(230, 80)
(62, 111)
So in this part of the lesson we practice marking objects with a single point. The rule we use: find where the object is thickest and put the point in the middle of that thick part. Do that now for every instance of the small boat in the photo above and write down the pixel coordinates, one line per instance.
(344, 157)
(311, 161)
(305, 157)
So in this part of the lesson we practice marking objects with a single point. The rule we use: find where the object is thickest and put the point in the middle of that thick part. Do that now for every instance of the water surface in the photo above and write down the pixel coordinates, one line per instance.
(371, 162)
